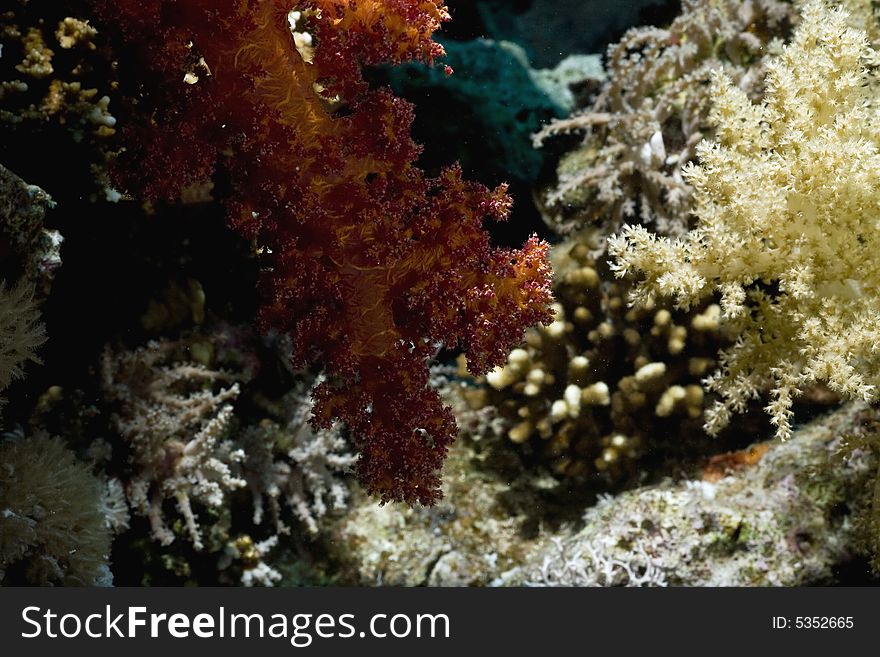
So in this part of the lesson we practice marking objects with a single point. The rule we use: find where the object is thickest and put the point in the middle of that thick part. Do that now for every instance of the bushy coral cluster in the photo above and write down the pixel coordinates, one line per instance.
(175, 417)
(787, 198)
(602, 384)
(370, 266)
(21, 332)
(52, 528)
(291, 465)
(189, 431)
(643, 127)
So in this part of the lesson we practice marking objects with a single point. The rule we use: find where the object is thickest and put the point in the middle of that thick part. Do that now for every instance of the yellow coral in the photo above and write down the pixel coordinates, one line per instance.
(787, 202)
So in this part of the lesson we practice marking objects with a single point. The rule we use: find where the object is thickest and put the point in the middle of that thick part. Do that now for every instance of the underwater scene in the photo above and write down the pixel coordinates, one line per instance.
(439, 293)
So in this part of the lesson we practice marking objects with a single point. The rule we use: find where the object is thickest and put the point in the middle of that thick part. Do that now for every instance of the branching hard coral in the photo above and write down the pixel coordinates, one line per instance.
(369, 264)
(174, 416)
(787, 200)
(290, 464)
(601, 385)
(54, 80)
(20, 331)
(642, 129)
(52, 529)
(255, 571)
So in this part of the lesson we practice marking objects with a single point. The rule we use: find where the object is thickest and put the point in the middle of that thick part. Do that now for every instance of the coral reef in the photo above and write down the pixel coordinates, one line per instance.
(602, 385)
(499, 101)
(778, 514)
(291, 462)
(28, 258)
(369, 264)
(642, 129)
(52, 529)
(191, 428)
(464, 540)
(786, 198)
(550, 29)
(774, 520)
(28, 250)
(292, 344)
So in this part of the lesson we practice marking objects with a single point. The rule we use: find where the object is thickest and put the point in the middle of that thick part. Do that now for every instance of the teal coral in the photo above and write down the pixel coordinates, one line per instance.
(499, 100)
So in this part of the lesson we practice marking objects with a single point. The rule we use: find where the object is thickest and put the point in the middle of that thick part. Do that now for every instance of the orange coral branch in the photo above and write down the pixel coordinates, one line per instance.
(373, 264)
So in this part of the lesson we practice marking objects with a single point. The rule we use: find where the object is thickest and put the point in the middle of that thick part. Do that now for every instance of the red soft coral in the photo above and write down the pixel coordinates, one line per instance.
(373, 265)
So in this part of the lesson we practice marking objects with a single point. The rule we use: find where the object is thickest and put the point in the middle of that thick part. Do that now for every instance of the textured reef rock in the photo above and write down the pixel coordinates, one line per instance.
(28, 250)
(779, 513)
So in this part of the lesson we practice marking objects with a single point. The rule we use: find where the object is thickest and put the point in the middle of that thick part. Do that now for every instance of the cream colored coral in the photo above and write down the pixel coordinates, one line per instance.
(787, 200)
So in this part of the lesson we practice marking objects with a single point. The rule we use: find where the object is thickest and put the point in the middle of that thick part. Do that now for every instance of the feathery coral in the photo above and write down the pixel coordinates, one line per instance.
(787, 201)
(370, 265)
(20, 331)
(643, 128)
(52, 530)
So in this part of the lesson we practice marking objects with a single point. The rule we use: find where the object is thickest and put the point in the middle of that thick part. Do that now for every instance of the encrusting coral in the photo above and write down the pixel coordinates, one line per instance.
(787, 199)
(783, 514)
(52, 529)
(602, 384)
(643, 127)
(370, 266)
(777, 514)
